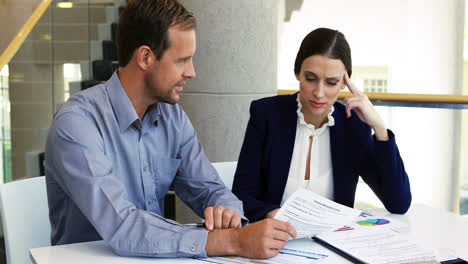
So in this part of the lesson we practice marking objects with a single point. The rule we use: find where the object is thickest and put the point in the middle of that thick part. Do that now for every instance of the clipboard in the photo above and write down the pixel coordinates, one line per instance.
(359, 261)
(338, 251)
(455, 261)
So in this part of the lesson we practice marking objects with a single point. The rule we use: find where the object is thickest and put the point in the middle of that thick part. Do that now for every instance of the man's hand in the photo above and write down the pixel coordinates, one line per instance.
(220, 217)
(272, 213)
(262, 239)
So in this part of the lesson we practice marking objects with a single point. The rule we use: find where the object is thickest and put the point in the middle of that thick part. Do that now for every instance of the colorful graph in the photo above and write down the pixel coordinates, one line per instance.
(344, 228)
(373, 222)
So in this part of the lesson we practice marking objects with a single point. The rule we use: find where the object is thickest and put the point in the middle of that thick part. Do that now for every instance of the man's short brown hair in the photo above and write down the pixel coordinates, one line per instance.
(146, 22)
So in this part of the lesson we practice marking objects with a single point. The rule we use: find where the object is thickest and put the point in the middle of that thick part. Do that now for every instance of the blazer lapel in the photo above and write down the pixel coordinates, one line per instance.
(336, 133)
(338, 153)
(286, 132)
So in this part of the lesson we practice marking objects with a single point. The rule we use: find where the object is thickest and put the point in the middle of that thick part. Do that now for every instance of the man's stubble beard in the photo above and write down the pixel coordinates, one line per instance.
(168, 97)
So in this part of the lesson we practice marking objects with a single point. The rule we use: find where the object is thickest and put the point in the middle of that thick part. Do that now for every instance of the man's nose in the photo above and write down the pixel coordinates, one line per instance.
(189, 72)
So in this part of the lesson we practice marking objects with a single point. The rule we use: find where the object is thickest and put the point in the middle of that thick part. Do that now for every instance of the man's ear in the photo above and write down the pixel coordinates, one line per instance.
(144, 57)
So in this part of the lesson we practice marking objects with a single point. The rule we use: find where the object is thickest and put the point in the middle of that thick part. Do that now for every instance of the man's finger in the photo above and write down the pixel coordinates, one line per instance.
(277, 244)
(292, 231)
(235, 221)
(285, 227)
(227, 217)
(209, 218)
(280, 235)
(218, 217)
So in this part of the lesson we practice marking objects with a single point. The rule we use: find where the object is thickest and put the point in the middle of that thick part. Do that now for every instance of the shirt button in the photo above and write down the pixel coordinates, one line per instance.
(145, 168)
(194, 247)
(150, 201)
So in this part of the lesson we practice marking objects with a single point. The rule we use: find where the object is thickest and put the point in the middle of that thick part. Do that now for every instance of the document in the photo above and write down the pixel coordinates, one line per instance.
(312, 214)
(279, 259)
(371, 241)
(360, 237)
(285, 256)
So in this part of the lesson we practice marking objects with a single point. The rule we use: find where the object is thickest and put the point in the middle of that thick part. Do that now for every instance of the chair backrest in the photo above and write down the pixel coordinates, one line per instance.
(25, 218)
(226, 171)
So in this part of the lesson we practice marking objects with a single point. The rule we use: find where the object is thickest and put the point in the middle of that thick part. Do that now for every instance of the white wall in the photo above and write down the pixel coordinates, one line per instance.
(420, 41)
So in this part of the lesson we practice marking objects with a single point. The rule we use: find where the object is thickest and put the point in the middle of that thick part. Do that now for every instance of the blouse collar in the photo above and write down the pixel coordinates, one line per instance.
(302, 122)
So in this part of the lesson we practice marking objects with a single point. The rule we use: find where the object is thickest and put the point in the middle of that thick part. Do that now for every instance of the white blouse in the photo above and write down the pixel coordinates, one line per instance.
(321, 172)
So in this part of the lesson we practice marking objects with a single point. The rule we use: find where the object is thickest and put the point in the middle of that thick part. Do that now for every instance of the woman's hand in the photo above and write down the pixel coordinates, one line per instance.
(365, 110)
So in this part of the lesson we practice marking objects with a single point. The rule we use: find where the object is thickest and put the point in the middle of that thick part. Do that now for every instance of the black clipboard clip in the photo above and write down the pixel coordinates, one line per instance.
(455, 261)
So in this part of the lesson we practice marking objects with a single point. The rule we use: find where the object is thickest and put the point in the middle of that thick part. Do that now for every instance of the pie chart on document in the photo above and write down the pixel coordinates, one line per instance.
(373, 222)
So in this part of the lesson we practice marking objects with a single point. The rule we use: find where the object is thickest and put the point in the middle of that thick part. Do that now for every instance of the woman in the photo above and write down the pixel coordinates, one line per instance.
(308, 140)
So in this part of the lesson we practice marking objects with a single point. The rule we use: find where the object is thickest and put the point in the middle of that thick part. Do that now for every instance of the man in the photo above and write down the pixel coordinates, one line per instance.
(114, 149)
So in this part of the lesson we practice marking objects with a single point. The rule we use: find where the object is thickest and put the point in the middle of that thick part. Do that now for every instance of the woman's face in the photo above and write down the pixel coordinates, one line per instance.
(320, 81)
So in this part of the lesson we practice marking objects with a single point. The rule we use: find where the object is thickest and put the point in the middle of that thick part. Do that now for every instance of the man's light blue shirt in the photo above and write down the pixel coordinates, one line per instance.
(107, 174)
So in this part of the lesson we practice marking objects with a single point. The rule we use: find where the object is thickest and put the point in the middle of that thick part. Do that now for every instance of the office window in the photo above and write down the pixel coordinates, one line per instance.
(464, 125)
(5, 151)
(408, 46)
(371, 78)
(71, 73)
(39, 75)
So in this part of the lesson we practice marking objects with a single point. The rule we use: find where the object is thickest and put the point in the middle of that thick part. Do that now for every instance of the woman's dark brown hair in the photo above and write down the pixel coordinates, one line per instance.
(327, 42)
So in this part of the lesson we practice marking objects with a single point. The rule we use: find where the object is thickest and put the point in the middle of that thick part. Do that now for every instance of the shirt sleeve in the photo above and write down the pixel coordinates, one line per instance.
(197, 182)
(87, 176)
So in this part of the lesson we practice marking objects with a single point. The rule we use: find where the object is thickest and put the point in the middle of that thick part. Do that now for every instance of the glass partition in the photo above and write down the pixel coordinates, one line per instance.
(433, 157)
(5, 153)
(55, 61)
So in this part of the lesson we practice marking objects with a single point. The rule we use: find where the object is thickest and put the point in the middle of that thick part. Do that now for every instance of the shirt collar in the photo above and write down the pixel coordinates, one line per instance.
(302, 122)
(154, 113)
(123, 109)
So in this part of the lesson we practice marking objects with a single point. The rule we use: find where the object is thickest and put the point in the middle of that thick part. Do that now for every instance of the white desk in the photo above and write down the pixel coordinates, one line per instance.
(431, 227)
(435, 228)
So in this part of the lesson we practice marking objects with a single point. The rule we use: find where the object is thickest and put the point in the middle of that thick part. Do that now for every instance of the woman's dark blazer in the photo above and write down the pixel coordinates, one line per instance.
(265, 157)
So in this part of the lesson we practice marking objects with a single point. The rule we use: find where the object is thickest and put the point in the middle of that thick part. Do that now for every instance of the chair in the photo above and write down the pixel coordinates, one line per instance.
(25, 217)
(226, 171)
(177, 210)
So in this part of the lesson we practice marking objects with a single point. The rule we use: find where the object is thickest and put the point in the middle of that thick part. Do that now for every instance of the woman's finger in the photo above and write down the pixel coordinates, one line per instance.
(352, 103)
(352, 88)
(357, 107)
(353, 99)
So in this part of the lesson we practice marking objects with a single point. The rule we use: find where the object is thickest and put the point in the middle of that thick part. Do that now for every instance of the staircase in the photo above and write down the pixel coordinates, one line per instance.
(103, 57)
(84, 35)
(102, 60)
